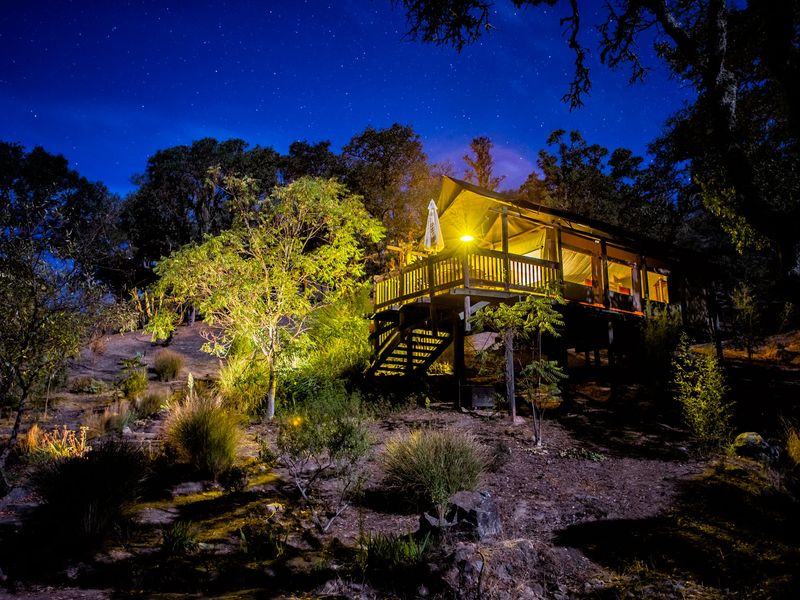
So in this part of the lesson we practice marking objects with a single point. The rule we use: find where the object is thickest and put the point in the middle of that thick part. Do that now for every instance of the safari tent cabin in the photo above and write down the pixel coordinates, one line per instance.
(496, 249)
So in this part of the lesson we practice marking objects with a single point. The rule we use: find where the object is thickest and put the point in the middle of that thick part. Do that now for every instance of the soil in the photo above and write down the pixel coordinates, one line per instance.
(616, 502)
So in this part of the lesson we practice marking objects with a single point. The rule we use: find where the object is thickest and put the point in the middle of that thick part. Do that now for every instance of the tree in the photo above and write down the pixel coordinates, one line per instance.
(285, 257)
(389, 168)
(743, 61)
(527, 320)
(313, 160)
(481, 166)
(182, 197)
(54, 234)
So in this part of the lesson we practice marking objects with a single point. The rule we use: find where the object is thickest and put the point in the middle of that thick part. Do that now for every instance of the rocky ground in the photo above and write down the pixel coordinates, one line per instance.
(615, 503)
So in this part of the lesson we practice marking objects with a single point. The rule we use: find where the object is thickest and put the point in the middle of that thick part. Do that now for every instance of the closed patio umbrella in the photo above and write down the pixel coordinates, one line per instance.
(433, 230)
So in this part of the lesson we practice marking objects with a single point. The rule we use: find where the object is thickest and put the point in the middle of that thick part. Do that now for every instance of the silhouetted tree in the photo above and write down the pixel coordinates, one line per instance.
(480, 171)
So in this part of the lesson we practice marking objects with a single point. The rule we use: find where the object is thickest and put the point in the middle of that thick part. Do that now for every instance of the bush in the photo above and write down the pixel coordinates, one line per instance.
(700, 390)
(243, 383)
(179, 539)
(113, 419)
(86, 385)
(264, 540)
(151, 403)
(381, 552)
(168, 364)
(204, 433)
(133, 383)
(87, 497)
(326, 435)
(429, 466)
(793, 444)
(661, 332)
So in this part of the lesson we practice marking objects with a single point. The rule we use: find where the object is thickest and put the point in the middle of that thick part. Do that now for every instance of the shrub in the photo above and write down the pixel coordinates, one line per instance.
(661, 332)
(151, 404)
(429, 466)
(204, 433)
(133, 383)
(700, 390)
(326, 435)
(179, 538)
(86, 385)
(386, 552)
(87, 497)
(168, 364)
(264, 540)
(114, 418)
(45, 446)
(793, 444)
(234, 479)
(243, 383)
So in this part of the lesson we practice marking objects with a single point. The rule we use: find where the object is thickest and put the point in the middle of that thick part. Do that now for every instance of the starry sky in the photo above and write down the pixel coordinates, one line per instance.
(107, 84)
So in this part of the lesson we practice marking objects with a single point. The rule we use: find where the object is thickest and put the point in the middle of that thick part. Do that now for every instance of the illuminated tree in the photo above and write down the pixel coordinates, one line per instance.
(286, 256)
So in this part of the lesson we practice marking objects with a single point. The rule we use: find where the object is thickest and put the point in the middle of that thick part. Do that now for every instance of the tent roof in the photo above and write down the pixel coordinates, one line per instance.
(467, 208)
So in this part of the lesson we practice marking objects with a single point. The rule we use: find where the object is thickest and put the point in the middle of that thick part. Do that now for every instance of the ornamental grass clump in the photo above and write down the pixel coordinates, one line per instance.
(168, 364)
(429, 465)
(203, 433)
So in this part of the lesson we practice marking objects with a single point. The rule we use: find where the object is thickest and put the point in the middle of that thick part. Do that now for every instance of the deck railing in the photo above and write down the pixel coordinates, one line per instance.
(475, 269)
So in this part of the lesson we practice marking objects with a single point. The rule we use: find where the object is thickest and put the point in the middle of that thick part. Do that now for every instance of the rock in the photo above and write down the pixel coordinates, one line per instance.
(751, 445)
(187, 488)
(470, 514)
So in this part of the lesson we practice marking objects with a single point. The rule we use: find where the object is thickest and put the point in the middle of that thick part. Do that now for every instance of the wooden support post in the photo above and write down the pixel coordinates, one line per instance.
(560, 260)
(458, 356)
(506, 259)
(604, 266)
(636, 287)
(467, 300)
(508, 339)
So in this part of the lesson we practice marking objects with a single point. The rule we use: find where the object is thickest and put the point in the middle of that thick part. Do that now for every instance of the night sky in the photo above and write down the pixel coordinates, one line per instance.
(109, 83)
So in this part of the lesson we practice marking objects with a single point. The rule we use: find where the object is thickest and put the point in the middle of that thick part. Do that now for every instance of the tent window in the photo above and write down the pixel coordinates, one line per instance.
(577, 266)
(620, 278)
(657, 287)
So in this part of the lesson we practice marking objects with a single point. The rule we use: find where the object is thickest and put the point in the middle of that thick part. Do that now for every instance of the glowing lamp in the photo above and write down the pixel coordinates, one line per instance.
(466, 238)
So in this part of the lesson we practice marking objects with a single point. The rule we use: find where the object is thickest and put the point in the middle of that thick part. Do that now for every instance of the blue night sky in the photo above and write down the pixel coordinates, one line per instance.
(107, 84)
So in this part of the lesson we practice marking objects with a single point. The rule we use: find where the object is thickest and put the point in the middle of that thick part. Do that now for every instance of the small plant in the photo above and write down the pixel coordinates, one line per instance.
(151, 404)
(700, 390)
(793, 443)
(133, 382)
(263, 539)
(87, 497)
(382, 552)
(746, 317)
(266, 454)
(87, 385)
(179, 539)
(429, 466)
(539, 383)
(168, 364)
(583, 453)
(58, 444)
(243, 382)
(203, 432)
(113, 419)
(234, 479)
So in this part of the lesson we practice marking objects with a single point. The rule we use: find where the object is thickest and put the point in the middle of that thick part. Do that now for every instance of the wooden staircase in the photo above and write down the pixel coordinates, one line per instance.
(406, 350)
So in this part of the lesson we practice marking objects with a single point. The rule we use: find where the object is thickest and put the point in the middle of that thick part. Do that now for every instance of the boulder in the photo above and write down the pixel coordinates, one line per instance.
(469, 514)
(751, 445)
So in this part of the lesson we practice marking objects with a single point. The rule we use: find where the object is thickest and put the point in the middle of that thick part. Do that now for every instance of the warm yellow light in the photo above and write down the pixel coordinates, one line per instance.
(297, 421)
(467, 238)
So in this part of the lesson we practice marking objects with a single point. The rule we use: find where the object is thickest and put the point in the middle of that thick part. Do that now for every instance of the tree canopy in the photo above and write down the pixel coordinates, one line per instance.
(286, 256)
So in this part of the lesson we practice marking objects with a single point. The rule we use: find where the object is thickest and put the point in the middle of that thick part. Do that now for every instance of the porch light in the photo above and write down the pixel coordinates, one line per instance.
(467, 238)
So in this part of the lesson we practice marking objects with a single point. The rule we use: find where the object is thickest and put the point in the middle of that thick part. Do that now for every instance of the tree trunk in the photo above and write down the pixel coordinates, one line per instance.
(508, 338)
(271, 390)
(12, 439)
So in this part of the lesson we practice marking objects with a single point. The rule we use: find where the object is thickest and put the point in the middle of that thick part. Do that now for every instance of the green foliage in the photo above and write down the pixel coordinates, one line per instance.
(700, 390)
(234, 479)
(381, 552)
(286, 256)
(661, 332)
(722, 205)
(263, 539)
(86, 385)
(114, 418)
(151, 404)
(533, 316)
(204, 433)
(179, 538)
(746, 317)
(168, 364)
(266, 454)
(243, 382)
(429, 466)
(326, 435)
(87, 497)
(133, 383)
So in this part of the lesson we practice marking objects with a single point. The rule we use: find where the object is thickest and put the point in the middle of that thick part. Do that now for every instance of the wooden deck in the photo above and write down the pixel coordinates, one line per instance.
(476, 269)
